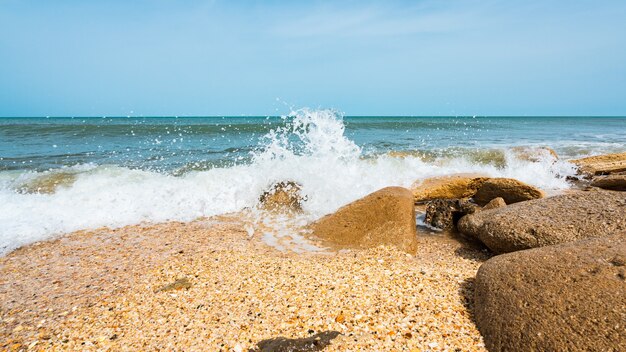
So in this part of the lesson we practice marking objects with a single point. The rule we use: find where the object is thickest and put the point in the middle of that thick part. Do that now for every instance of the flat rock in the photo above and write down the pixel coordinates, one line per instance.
(511, 190)
(386, 216)
(548, 221)
(447, 187)
(602, 164)
(612, 182)
(569, 297)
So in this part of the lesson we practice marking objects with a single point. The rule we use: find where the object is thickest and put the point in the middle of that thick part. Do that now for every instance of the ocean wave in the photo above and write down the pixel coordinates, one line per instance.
(308, 146)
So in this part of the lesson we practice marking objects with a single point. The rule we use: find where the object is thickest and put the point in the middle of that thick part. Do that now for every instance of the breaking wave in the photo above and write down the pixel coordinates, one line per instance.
(310, 147)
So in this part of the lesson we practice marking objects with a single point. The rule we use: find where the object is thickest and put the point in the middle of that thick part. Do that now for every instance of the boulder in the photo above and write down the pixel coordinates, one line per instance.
(495, 204)
(602, 164)
(612, 182)
(386, 216)
(548, 221)
(447, 187)
(282, 196)
(569, 297)
(511, 190)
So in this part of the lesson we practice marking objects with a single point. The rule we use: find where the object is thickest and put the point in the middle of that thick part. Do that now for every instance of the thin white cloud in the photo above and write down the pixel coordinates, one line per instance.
(372, 21)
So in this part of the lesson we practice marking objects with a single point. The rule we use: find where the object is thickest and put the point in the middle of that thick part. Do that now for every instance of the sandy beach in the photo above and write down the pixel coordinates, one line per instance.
(208, 285)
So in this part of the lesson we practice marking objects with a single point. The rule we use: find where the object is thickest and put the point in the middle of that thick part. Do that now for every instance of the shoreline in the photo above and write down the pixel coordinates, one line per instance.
(96, 289)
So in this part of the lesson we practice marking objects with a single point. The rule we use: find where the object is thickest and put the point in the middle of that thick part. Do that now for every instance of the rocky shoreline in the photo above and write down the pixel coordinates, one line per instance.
(382, 283)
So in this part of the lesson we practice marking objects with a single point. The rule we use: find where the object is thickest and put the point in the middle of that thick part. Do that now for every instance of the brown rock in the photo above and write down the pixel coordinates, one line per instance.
(511, 190)
(612, 182)
(447, 187)
(569, 297)
(440, 213)
(602, 164)
(445, 213)
(548, 221)
(386, 217)
(282, 196)
(495, 204)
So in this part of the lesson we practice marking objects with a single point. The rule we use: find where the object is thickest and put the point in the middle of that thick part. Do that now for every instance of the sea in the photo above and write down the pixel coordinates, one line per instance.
(62, 174)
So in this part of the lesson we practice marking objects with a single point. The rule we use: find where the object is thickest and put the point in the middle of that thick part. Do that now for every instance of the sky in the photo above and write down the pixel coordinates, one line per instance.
(216, 58)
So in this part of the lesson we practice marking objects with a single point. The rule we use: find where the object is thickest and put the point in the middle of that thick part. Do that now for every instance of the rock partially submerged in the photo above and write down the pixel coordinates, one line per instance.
(385, 217)
(282, 196)
(611, 182)
(510, 190)
(602, 164)
(548, 221)
(535, 154)
(48, 183)
(569, 297)
(447, 187)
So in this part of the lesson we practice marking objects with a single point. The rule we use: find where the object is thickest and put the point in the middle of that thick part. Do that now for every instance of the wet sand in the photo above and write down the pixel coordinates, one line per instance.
(210, 286)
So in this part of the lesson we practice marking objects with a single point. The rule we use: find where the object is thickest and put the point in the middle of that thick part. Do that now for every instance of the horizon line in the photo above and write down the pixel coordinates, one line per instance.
(279, 116)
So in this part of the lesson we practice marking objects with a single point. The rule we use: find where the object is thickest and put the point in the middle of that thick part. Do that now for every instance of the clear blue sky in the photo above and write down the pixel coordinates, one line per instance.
(199, 57)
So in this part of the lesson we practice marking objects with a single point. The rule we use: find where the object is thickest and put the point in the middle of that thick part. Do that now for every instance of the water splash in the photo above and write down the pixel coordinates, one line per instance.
(309, 147)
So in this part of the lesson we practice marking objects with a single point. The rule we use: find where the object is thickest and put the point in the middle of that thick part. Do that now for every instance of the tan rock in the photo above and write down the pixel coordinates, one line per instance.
(282, 196)
(385, 217)
(549, 221)
(510, 190)
(569, 297)
(447, 187)
(602, 164)
(611, 182)
(495, 204)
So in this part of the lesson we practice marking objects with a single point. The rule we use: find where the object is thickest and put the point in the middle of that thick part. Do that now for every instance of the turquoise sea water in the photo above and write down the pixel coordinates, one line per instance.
(64, 174)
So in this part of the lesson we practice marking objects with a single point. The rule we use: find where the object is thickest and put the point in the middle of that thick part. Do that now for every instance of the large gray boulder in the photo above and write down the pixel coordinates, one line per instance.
(548, 221)
(569, 297)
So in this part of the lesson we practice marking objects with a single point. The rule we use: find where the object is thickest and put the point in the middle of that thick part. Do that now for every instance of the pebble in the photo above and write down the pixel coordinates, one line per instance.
(240, 292)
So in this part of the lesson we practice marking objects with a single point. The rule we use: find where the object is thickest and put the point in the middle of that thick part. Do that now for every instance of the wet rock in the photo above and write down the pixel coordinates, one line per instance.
(511, 190)
(441, 213)
(282, 197)
(385, 217)
(602, 164)
(568, 297)
(611, 182)
(48, 183)
(447, 187)
(535, 154)
(445, 213)
(548, 221)
(495, 204)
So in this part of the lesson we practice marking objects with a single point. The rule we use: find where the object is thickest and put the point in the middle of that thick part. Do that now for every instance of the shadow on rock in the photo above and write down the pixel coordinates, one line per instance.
(315, 342)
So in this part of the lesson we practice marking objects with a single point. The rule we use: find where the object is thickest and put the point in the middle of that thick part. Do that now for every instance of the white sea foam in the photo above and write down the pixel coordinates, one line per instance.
(311, 150)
